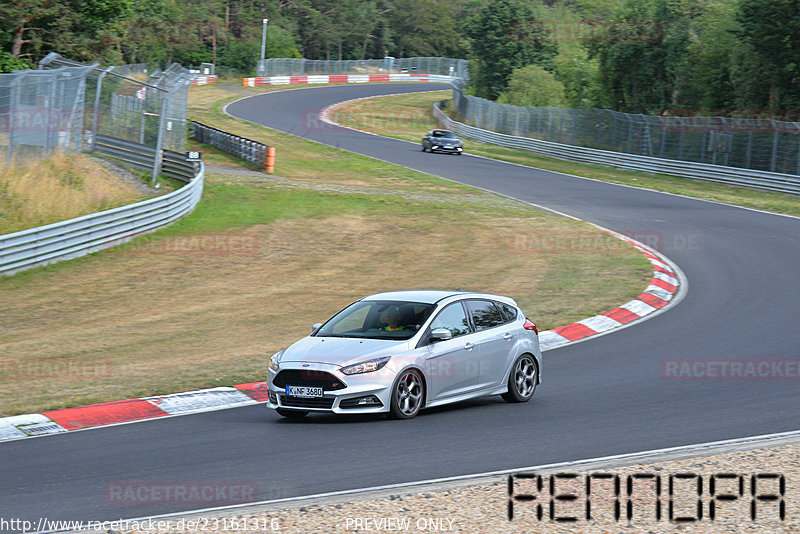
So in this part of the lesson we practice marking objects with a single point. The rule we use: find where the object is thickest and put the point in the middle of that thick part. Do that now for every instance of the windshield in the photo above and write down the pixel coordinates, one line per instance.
(377, 319)
(444, 133)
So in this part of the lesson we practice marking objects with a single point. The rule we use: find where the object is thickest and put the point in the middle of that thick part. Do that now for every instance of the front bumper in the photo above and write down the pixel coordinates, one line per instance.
(454, 149)
(375, 386)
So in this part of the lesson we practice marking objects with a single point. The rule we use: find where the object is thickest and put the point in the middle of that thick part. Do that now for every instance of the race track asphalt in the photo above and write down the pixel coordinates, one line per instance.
(601, 397)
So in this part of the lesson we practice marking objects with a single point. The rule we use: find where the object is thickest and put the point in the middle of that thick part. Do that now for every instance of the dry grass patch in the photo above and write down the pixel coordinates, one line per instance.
(57, 188)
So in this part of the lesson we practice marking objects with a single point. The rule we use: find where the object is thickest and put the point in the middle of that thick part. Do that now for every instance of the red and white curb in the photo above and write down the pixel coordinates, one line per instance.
(126, 411)
(663, 288)
(342, 78)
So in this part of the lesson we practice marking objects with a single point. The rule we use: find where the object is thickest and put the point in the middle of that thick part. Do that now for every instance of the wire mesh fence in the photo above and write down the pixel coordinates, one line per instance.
(760, 144)
(389, 65)
(41, 111)
(135, 104)
(66, 105)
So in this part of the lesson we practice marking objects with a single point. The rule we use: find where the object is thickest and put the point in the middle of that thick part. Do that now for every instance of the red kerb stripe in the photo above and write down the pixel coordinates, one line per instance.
(106, 413)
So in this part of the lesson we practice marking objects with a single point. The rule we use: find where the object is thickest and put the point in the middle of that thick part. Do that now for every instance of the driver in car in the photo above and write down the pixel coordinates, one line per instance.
(393, 319)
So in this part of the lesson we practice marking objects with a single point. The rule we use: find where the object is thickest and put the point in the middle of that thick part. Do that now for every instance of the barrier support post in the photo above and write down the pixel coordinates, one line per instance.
(269, 163)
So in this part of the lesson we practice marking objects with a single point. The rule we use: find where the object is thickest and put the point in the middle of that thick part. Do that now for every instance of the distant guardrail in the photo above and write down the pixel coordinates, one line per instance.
(241, 147)
(457, 68)
(344, 78)
(139, 156)
(83, 235)
(768, 181)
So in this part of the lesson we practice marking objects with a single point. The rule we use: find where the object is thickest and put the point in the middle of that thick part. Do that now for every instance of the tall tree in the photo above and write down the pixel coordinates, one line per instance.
(506, 35)
(33, 25)
(640, 54)
(425, 28)
(772, 29)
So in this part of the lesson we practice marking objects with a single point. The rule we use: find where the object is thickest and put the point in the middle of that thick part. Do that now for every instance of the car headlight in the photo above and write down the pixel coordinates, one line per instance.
(365, 367)
(273, 361)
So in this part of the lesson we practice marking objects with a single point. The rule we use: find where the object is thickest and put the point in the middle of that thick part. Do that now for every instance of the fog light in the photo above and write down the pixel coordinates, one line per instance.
(361, 402)
(273, 398)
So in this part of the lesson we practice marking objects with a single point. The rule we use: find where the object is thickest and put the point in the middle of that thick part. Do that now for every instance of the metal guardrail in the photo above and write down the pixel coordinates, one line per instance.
(768, 181)
(241, 147)
(83, 235)
(141, 157)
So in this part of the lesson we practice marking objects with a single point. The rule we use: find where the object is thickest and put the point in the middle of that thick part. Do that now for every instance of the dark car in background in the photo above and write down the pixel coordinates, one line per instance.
(442, 141)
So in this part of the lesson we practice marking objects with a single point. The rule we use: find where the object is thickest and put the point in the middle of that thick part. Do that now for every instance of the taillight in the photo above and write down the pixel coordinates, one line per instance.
(530, 326)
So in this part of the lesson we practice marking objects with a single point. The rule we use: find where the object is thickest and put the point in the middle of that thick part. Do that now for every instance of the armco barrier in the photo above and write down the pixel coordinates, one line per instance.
(173, 164)
(90, 233)
(241, 147)
(768, 181)
(343, 78)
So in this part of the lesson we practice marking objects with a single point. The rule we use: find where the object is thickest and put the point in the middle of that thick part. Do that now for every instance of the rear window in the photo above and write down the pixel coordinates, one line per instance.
(510, 312)
(485, 314)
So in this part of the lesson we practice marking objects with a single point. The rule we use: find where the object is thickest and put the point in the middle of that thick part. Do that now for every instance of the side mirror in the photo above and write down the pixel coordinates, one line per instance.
(315, 327)
(441, 334)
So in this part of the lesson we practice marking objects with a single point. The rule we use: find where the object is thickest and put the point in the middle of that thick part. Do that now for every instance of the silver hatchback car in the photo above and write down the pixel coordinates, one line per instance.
(402, 351)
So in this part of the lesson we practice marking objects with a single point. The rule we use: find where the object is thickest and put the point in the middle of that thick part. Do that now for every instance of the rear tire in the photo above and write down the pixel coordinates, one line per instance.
(522, 380)
(291, 414)
(408, 395)
(423, 148)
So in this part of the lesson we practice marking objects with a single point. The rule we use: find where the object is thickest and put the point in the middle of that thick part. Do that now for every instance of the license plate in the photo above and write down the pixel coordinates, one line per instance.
(303, 391)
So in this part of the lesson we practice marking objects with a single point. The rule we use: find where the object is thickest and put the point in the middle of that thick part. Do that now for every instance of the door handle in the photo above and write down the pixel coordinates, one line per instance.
(468, 345)
(507, 336)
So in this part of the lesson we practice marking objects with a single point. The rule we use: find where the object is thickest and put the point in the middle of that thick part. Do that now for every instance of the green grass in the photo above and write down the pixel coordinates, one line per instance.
(407, 117)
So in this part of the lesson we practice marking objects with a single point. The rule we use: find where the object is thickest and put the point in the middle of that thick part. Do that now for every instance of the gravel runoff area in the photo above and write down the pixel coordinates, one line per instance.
(482, 506)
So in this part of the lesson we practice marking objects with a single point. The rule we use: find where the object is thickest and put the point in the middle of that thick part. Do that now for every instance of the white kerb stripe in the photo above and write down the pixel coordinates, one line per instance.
(549, 338)
(660, 292)
(600, 323)
(200, 400)
(638, 307)
(665, 277)
(659, 263)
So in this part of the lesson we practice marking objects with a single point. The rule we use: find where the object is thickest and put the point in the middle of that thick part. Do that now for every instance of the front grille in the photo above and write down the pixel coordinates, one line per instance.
(303, 402)
(302, 377)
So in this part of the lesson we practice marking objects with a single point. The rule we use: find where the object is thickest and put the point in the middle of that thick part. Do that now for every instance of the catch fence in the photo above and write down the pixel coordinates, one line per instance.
(758, 144)
(67, 105)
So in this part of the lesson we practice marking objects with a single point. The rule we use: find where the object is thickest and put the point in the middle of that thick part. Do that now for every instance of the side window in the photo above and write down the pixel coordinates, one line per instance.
(485, 314)
(509, 311)
(453, 318)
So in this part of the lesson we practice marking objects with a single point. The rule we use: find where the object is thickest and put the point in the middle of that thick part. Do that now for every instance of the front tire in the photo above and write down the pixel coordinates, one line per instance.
(522, 380)
(291, 414)
(423, 148)
(408, 395)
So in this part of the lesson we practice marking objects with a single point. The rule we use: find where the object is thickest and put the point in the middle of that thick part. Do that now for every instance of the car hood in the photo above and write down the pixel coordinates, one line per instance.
(340, 351)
